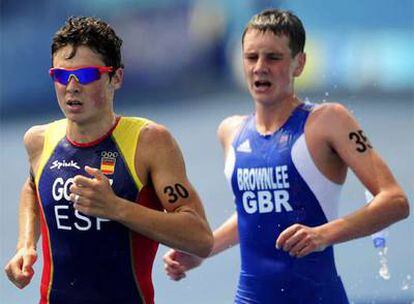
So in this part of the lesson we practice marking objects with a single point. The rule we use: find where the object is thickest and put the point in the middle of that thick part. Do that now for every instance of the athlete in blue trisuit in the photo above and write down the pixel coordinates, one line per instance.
(104, 189)
(286, 164)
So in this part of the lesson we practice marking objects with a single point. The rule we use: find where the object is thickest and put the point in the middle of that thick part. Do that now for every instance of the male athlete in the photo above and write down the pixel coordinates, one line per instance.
(286, 164)
(100, 184)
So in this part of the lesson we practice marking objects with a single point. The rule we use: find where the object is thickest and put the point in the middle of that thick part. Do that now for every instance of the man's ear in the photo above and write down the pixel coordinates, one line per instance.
(117, 78)
(300, 60)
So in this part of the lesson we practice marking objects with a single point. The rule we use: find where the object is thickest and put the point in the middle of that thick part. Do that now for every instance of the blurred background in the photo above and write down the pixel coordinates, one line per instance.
(183, 69)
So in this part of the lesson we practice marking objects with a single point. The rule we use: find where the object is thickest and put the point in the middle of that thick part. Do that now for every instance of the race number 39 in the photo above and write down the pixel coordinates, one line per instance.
(360, 140)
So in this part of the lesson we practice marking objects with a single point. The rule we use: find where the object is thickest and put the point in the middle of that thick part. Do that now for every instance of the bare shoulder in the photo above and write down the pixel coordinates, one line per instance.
(332, 111)
(157, 145)
(155, 136)
(228, 127)
(34, 138)
(158, 156)
(335, 125)
(231, 123)
(331, 119)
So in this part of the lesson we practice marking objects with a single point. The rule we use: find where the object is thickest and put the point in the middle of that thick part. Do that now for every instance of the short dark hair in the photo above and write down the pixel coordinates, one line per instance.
(93, 33)
(279, 23)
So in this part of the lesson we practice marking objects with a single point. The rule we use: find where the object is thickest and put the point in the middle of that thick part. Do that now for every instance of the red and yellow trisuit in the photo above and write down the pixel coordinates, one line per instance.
(88, 259)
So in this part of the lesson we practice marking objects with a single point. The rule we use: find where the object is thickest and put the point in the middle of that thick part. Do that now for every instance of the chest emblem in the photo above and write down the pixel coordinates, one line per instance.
(244, 147)
(108, 161)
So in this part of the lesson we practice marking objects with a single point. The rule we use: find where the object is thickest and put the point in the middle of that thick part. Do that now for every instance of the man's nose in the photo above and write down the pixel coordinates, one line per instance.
(261, 66)
(73, 83)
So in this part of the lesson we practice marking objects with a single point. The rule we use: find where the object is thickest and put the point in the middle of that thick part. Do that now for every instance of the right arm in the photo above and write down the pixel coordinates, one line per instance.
(177, 263)
(20, 268)
(226, 236)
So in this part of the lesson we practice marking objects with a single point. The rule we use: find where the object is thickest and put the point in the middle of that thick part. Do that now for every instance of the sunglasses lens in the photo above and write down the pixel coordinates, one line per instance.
(83, 75)
(61, 76)
(87, 75)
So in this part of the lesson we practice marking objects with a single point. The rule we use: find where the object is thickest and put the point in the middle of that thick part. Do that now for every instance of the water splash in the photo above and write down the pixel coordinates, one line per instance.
(384, 271)
(407, 283)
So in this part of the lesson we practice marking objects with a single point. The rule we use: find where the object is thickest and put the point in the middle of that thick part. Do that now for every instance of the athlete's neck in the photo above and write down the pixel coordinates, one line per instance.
(270, 117)
(92, 131)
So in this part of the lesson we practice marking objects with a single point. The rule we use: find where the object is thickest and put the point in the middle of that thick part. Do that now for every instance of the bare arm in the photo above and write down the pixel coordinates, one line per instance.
(183, 226)
(226, 236)
(345, 137)
(20, 268)
(390, 202)
(177, 263)
(29, 231)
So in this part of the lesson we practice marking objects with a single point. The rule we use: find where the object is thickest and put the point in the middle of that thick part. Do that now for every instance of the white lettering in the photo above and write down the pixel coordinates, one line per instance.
(261, 173)
(63, 217)
(66, 192)
(265, 178)
(245, 179)
(268, 178)
(278, 177)
(252, 178)
(281, 199)
(84, 219)
(57, 164)
(255, 184)
(249, 204)
(58, 192)
(81, 222)
(285, 177)
(265, 201)
(272, 179)
(98, 222)
(240, 179)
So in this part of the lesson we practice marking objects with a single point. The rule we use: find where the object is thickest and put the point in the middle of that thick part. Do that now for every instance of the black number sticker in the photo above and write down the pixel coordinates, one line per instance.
(175, 192)
(170, 191)
(181, 190)
(361, 141)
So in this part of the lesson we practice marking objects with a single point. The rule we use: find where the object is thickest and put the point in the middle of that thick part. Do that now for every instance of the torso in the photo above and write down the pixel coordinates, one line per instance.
(276, 184)
(88, 259)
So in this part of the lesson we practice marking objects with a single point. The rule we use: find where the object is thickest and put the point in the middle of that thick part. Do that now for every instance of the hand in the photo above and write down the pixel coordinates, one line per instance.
(300, 240)
(19, 269)
(92, 196)
(176, 263)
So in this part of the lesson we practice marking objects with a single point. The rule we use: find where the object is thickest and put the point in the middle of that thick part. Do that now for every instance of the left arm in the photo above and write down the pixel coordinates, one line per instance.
(390, 204)
(183, 226)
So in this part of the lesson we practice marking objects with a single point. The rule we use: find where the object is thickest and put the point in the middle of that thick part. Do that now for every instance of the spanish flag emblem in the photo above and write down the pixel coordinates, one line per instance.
(108, 165)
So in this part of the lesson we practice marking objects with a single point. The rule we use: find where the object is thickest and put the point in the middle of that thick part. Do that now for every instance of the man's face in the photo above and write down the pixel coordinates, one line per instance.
(269, 67)
(89, 102)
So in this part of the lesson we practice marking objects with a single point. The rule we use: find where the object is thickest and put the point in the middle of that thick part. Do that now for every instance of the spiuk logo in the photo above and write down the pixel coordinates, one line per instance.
(108, 161)
(59, 164)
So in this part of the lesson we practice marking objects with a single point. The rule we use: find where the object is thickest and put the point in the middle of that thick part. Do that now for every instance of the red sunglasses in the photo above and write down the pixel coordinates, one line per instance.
(83, 75)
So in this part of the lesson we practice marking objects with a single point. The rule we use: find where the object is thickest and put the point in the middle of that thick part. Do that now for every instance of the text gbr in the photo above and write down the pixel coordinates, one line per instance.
(264, 189)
